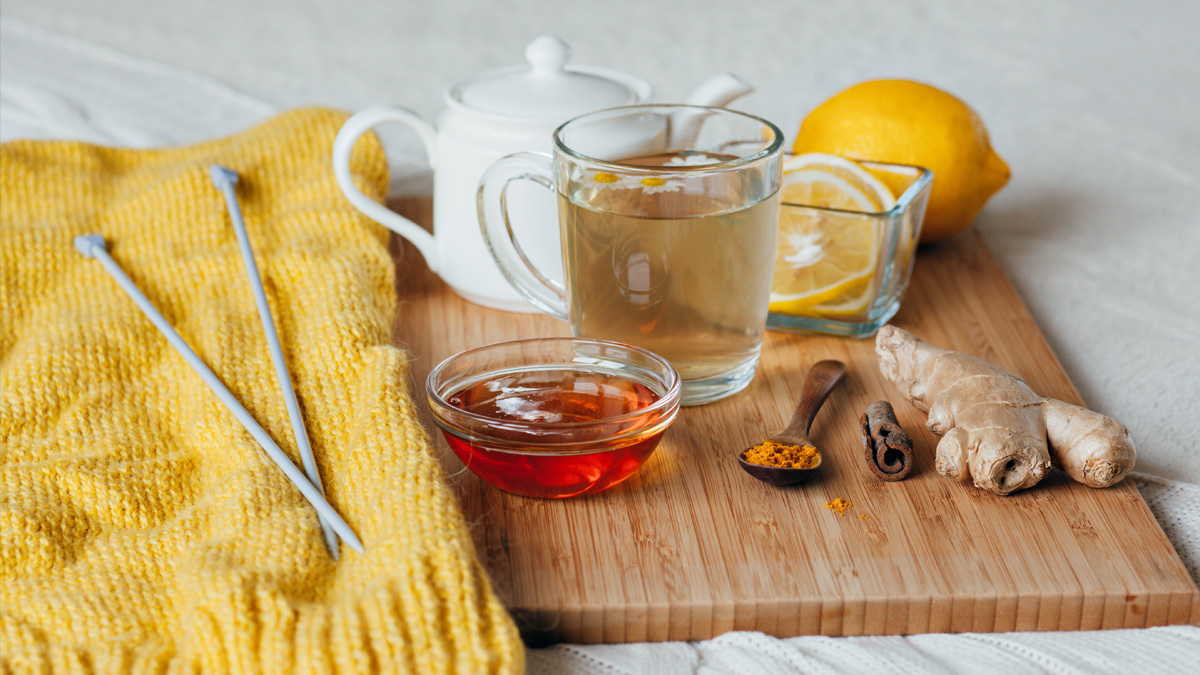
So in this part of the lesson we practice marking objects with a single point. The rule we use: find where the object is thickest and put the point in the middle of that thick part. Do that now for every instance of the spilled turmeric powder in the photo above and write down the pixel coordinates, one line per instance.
(774, 453)
(838, 506)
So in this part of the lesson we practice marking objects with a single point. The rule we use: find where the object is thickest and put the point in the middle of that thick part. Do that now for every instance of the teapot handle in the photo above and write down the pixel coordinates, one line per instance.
(343, 144)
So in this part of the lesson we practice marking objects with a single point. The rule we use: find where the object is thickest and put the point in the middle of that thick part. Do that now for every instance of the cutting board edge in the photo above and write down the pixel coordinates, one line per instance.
(848, 617)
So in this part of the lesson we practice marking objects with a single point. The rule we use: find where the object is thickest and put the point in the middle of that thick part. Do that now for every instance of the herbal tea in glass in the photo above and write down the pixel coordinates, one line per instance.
(678, 273)
(669, 218)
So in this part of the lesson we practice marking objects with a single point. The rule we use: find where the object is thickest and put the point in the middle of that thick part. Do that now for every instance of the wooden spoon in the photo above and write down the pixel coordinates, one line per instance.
(818, 384)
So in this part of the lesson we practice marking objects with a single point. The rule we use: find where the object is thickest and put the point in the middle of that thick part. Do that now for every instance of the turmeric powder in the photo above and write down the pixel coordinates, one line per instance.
(838, 506)
(774, 453)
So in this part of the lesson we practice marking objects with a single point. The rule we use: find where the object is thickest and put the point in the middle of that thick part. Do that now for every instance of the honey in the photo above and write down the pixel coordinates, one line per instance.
(558, 432)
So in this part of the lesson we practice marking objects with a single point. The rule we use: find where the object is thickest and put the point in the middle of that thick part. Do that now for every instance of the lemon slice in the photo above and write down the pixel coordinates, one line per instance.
(822, 256)
(869, 184)
(849, 304)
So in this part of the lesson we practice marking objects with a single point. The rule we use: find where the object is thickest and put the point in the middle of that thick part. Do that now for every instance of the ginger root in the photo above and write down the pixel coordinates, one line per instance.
(995, 431)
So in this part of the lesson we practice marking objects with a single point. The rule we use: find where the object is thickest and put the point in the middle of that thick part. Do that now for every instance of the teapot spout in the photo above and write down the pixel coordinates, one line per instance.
(719, 91)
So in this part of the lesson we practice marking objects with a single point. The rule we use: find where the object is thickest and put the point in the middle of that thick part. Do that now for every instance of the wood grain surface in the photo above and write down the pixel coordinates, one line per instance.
(691, 547)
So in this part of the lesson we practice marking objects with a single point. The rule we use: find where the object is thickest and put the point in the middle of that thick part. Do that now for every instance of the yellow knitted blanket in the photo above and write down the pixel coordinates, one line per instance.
(141, 528)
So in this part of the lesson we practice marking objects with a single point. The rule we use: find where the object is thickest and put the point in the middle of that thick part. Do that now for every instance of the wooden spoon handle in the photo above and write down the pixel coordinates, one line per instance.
(818, 384)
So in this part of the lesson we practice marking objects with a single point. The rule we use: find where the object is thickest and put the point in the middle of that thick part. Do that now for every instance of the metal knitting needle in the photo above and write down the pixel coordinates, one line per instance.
(93, 246)
(225, 180)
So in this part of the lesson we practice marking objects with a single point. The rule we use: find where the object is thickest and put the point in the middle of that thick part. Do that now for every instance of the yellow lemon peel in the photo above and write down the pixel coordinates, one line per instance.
(908, 122)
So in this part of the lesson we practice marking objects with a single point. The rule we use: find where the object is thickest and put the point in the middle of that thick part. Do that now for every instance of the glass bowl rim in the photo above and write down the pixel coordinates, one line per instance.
(670, 399)
(905, 200)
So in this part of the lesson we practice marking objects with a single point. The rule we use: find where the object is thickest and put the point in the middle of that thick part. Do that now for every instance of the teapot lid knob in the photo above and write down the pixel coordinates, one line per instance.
(547, 88)
(547, 54)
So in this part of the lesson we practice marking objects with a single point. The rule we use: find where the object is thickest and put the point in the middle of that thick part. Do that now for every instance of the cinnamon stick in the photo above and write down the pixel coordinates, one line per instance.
(887, 448)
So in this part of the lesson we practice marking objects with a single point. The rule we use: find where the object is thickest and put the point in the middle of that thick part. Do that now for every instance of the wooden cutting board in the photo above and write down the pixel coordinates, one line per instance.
(691, 546)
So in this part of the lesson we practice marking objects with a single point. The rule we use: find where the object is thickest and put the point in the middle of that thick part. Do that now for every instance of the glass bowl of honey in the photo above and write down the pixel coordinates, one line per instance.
(554, 417)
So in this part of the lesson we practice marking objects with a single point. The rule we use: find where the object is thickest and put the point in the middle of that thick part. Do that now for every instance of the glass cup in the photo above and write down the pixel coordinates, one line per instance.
(865, 305)
(669, 217)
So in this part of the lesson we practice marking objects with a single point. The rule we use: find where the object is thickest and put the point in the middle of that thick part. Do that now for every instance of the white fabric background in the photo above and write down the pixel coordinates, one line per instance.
(1093, 106)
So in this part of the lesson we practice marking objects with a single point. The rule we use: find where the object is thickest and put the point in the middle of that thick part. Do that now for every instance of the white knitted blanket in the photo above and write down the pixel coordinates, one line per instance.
(55, 87)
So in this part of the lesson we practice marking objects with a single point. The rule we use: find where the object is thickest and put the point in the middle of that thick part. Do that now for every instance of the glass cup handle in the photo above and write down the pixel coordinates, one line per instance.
(492, 202)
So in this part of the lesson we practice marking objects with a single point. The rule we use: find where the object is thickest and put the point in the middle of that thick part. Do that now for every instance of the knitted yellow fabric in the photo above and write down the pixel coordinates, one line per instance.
(141, 528)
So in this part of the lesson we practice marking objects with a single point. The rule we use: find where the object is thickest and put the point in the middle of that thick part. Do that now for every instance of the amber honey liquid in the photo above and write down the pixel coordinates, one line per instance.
(578, 463)
(683, 272)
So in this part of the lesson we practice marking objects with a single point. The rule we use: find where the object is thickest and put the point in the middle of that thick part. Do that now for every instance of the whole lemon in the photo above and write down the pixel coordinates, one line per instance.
(907, 122)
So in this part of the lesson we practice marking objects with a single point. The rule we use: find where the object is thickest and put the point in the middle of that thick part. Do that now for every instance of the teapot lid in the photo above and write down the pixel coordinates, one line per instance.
(547, 88)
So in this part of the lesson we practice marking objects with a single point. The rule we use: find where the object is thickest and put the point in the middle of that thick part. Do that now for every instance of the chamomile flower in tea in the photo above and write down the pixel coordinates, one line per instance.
(608, 180)
(654, 184)
(602, 180)
(691, 159)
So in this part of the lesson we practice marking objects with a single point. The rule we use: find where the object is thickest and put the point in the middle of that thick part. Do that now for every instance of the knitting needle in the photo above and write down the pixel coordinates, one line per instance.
(225, 180)
(93, 246)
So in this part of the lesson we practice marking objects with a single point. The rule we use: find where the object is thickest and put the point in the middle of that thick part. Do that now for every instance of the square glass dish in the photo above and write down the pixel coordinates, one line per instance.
(875, 252)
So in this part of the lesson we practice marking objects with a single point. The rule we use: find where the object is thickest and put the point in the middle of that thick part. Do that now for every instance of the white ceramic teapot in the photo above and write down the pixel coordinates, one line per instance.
(488, 116)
